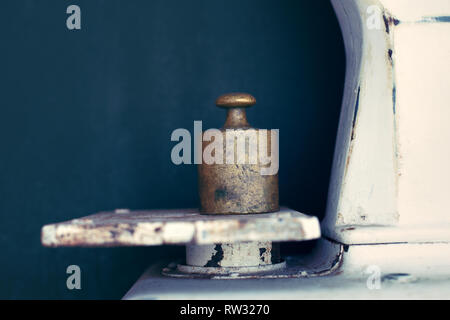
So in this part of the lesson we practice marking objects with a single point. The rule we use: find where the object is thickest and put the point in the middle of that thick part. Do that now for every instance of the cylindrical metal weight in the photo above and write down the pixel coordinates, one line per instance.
(238, 181)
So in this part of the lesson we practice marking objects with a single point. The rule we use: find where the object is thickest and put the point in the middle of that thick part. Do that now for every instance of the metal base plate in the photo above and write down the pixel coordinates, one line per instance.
(232, 272)
(123, 227)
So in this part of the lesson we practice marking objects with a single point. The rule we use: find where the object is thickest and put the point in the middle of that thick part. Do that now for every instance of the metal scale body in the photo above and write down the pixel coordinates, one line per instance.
(387, 228)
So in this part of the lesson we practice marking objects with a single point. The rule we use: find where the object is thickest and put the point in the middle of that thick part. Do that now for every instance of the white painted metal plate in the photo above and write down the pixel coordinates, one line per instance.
(152, 285)
(186, 226)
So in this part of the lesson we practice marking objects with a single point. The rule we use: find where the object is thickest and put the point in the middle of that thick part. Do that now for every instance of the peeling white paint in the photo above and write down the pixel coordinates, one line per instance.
(156, 227)
(391, 160)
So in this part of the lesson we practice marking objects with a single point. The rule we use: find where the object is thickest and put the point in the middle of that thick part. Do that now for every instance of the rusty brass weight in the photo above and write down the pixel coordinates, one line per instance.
(237, 186)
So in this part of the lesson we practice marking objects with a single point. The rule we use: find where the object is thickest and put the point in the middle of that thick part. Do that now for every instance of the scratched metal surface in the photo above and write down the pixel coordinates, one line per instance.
(186, 226)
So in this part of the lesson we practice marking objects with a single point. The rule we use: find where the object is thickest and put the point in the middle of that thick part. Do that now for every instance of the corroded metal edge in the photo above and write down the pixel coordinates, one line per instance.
(230, 271)
(185, 226)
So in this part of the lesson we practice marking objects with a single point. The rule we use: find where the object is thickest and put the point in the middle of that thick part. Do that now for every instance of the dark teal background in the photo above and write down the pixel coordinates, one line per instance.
(86, 118)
